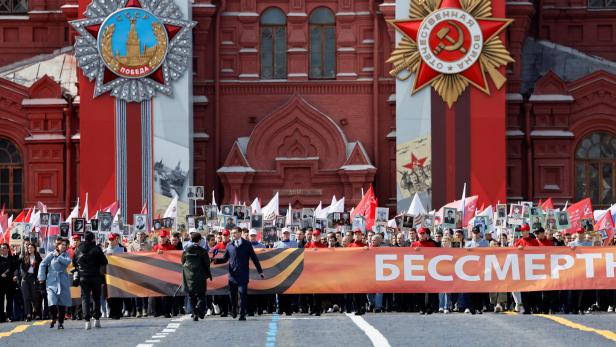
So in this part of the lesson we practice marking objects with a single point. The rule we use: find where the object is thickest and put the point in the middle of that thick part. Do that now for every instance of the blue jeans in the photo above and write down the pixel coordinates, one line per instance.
(444, 301)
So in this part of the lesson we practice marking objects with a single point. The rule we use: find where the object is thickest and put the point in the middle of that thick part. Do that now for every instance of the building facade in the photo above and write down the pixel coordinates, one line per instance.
(296, 96)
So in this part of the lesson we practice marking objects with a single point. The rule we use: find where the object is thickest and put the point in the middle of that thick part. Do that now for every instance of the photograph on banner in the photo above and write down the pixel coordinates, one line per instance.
(449, 218)
(126, 231)
(239, 212)
(229, 222)
(64, 230)
(562, 220)
(78, 226)
(407, 221)
(501, 212)
(398, 221)
(280, 222)
(200, 223)
(140, 222)
(549, 221)
(603, 234)
(536, 221)
(516, 215)
(307, 217)
(413, 166)
(210, 212)
(104, 221)
(171, 167)
(54, 219)
(536, 211)
(587, 224)
(320, 223)
(17, 234)
(168, 223)
(458, 219)
(345, 218)
(226, 210)
(270, 234)
(256, 221)
(94, 224)
(157, 224)
(195, 192)
(190, 221)
(44, 219)
(382, 214)
(359, 223)
(296, 217)
(483, 223)
(333, 219)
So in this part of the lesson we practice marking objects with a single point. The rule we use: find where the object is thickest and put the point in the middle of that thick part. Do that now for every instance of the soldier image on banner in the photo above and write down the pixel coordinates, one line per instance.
(226, 210)
(280, 222)
(501, 212)
(105, 221)
(587, 224)
(536, 221)
(64, 229)
(93, 224)
(407, 221)
(562, 220)
(345, 218)
(44, 219)
(190, 221)
(17, 234)
(516, 215)
(296, 217)
(168, 223)
(210, 212)
(200, 223)
(157, 224)
(549, 221)
(256, 221)
(382, 214)
(449, 218)
(140, 222)
(78, 226)
(54, 219)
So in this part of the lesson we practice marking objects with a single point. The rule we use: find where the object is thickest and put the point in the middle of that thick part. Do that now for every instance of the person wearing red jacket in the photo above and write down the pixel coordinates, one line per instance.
(164, 244)
(316, 240)
(530, 300)
(427, 302)
(542, 239)
(358, 238)
(222, 302)
(165, 302)
(424, 239)
(222, 246)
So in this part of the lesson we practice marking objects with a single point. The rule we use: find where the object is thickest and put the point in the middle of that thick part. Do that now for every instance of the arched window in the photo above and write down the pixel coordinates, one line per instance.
(273, 44)
(595, 168)
(11, 177)
(322, 44)
(13, 6)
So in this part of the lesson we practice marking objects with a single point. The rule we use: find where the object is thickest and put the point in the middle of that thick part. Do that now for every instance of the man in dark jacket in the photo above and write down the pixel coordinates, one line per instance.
(238, 253)
(195, 271)
(89, 259)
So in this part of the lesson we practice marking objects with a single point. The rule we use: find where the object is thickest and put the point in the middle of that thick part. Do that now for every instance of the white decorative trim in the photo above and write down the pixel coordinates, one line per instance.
(240, 14)
(297, 75)
(296, 158)
(248, 75)
(346, 74)
(514, 97)
(76, 136)
(45, 137)
(43, 102)
(14, 17)
(248, 50)
(345, 13)
(346, 49)
(516, 132)
(227, 43)
(297, 14)
(44, 12)
(204, 5)
(551, 133)
(201, 135)
(297, 49)
(69, 6)
(551, 97)
(368, 42)
(235, 169)
(367, 69)
(200, 99)
(226, 70)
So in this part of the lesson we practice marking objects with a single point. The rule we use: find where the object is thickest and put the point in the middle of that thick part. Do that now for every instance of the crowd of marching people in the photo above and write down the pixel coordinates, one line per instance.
(34, 287)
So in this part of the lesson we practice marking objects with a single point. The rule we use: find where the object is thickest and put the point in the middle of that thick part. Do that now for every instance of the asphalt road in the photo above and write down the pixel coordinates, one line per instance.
(395, 329)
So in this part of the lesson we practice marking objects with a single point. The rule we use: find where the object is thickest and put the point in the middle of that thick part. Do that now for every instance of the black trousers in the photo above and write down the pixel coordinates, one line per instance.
(30, 292)
(91, 291)
(7, 289)
(57, 313)
(316, 304)
(197, 302)
(223, 303)
(242, 289)
(428, 302)
(285, 303)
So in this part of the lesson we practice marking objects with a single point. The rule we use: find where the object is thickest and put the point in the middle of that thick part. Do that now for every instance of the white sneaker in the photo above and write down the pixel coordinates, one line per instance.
(330, 310)
(88, 325)
(97, 323)
(521, 310)
(440, 310)
(517, 308)
(467, 311)
(208, 312)
(126, 314)
(498, 308)
(216, 309)
(610, 309)
(446, 311)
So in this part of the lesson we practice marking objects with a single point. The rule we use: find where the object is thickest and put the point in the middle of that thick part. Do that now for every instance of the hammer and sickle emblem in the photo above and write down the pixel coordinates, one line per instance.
(443, 34)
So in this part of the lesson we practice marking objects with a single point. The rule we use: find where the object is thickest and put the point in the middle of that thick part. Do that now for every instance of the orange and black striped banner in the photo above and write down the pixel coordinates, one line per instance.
(379, 270)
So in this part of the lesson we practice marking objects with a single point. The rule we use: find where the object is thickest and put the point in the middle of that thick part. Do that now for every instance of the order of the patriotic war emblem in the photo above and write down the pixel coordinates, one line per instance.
(450, 44)
(133, 48)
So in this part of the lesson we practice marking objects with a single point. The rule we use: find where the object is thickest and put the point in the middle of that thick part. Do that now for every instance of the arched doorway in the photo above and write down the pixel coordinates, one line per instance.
(595, 168)
(11, 176)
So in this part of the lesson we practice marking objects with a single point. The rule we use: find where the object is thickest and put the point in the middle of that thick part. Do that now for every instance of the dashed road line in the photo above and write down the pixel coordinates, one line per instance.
(169, 328)
(272, 331)
(608, 334)
(375, 336)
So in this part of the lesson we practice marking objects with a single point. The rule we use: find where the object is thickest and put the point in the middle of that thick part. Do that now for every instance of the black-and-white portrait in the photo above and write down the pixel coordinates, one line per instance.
(93, 224)
(587, 224)
(227, 210)
(44, 219)
(239, 212)
(79, 226)
(407, 221)
(190, 221)
(195, 192)
(256, 221)
(64, 227)
(200, 223)
(105, 220)
(449, 217)
(280, 222)
(54, 219)
(296, 217)
(501, 211)
(168, 223)
(157, 224)
(210, 212)
(27, 229)
(345, 218)
(382, 214)
(140, 222)
(562, 220)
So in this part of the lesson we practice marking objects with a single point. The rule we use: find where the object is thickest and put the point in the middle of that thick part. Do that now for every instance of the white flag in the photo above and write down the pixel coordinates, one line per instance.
(172, 209)
(289, 218)
(416, 208)
(116, 218)
(213, 198)
(337, 207)
(270, 211)
(74, 213)
(255, 207)
(318, 212)
(85, 209)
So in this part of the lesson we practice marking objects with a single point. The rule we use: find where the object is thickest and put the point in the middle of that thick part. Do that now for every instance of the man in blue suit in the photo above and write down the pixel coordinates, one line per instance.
(239, 251)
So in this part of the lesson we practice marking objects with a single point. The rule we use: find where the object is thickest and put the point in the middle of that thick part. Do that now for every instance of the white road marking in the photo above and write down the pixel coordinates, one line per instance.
(152, 341)
(144, 345)
(168, 330)
(375, 336)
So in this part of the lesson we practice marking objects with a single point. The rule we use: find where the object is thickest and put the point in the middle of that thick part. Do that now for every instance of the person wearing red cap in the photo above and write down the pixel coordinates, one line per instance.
(358, 301)
(315, 302)
(222, 301)
(115, 304)
(529, 299)
(426, 302)
(316, 240)
(165, 302)
(577, 300)
(358, 237)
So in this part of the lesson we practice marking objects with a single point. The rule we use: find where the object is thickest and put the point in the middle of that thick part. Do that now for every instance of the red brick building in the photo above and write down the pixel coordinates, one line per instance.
(295, 96)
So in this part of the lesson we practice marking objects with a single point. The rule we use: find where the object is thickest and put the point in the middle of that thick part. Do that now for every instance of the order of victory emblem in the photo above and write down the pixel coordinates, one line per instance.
(133, 48)
(450, 44)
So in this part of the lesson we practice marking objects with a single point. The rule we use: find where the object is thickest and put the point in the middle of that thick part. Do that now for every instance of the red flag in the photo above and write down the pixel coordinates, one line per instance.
(606, 223)
(367, 208)
(540, 202)
(2, 212)
(4, 221)
(548, 204)
(470, 205)
(578, 211)
(113, 208)
(19, 218)
(235, 202)
(27, 218)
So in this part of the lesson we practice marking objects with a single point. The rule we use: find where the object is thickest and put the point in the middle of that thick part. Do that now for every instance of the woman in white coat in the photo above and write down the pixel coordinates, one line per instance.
(53, 271)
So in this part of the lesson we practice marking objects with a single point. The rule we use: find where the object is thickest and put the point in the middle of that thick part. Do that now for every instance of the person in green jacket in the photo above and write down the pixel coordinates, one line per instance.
(195, 271)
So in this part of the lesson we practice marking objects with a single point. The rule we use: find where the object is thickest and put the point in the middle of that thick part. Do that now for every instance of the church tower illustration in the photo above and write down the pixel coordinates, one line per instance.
(135, 56)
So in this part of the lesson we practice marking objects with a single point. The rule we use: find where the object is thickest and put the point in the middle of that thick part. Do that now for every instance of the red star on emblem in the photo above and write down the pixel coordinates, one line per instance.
(157, 75)
(474, 74)
(415, 162)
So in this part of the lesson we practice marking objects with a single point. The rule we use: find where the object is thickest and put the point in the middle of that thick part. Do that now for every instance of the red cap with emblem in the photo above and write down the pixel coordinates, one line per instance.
(580, 230)
(524, 227)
